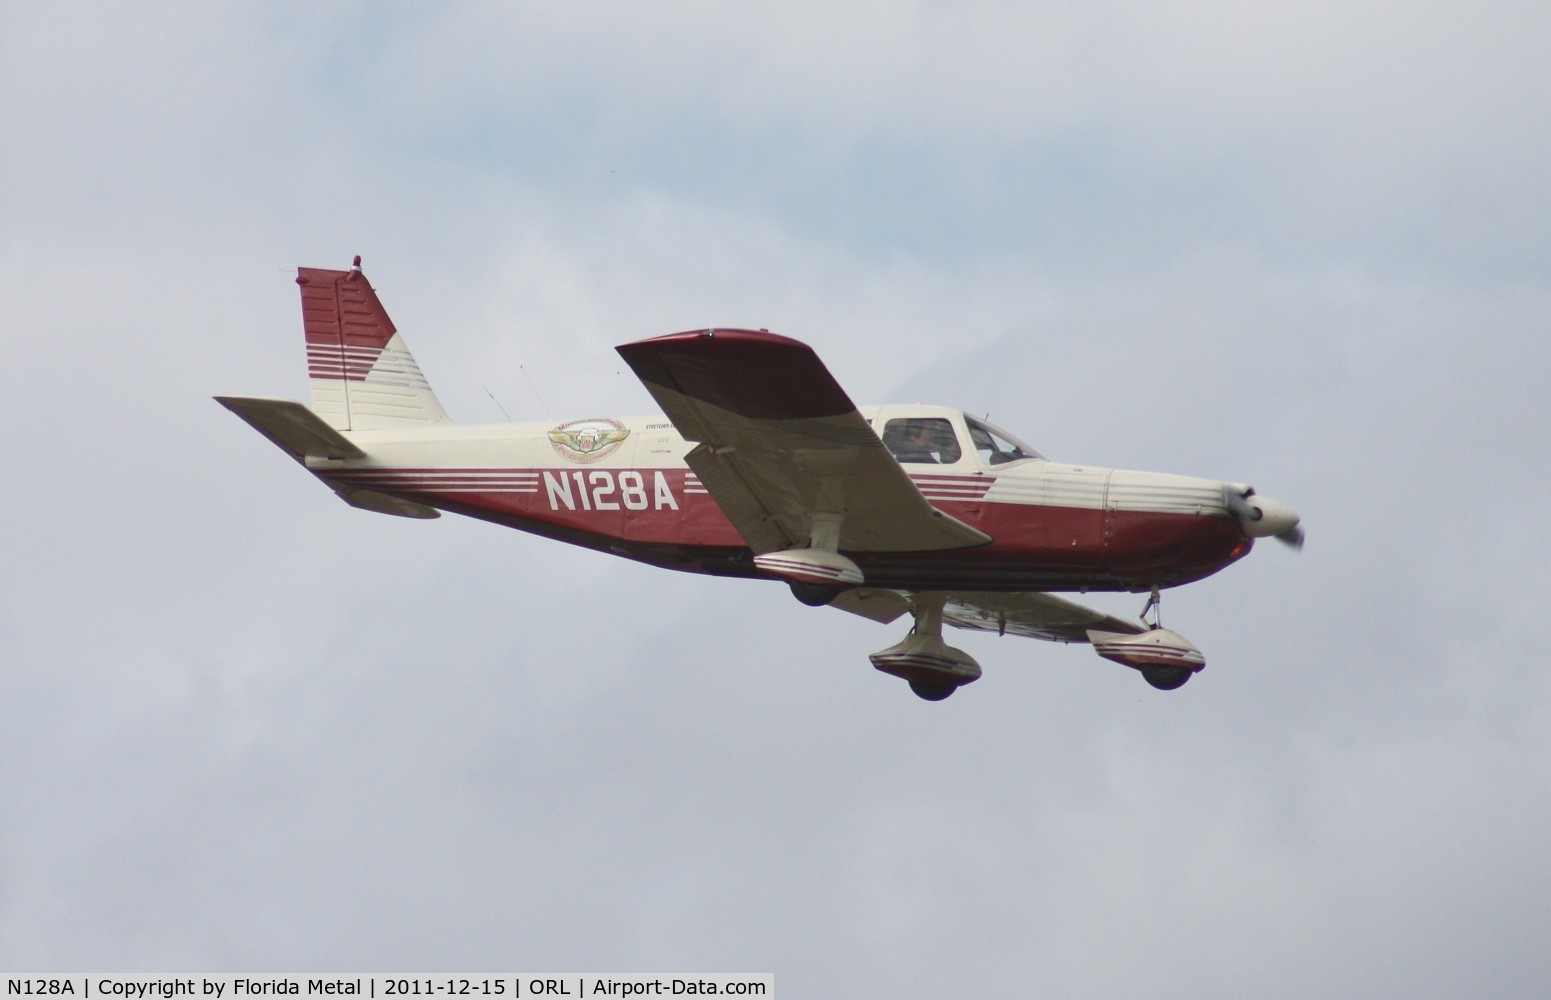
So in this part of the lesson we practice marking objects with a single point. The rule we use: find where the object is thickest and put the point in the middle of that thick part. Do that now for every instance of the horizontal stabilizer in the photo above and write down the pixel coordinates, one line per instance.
(298, 431)
(382, 503)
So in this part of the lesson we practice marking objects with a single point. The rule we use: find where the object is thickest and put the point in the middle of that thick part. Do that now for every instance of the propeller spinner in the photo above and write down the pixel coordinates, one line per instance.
(1262, 517)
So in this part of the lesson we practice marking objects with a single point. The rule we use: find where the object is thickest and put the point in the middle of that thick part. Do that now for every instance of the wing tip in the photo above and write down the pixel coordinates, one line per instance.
(711, 338)
(753, 373)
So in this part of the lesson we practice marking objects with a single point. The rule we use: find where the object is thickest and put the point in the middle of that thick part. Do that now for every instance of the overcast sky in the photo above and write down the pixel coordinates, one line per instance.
(244, 727)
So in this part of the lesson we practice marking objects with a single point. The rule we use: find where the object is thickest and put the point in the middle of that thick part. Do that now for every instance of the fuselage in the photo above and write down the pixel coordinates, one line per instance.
(621, 485)
(764, 467)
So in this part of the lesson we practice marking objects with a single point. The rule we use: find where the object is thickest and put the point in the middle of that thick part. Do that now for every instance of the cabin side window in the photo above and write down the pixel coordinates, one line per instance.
(922, 440)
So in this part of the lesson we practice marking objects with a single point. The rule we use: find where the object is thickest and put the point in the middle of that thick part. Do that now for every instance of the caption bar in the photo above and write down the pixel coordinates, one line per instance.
(473, 987)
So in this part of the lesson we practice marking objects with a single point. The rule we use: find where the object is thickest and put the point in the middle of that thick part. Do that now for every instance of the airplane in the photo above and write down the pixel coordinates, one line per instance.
(762, 467)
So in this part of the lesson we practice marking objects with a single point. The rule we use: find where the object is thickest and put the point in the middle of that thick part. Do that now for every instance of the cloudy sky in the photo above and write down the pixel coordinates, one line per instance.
(244, 727)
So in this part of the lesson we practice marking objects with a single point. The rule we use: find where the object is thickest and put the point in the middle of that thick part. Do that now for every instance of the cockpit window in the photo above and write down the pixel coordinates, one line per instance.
(997, 447)
(924, 440)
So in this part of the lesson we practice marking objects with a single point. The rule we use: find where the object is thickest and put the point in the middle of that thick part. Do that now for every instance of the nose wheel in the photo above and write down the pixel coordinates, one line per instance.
(1166, 660)
(1164, 678)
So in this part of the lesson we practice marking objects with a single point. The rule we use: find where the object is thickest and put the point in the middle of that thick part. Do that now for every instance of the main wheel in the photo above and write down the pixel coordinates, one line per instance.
(933, 691)
(1166, 678)
(814, 595)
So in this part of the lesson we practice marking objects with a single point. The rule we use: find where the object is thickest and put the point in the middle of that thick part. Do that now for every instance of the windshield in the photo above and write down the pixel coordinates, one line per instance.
(996, 446)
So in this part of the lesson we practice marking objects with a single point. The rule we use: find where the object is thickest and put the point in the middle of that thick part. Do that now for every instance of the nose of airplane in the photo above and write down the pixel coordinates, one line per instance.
(1262, 517)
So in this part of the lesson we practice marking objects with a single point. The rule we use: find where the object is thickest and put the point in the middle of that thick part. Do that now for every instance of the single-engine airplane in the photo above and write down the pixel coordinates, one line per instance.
(764, 468)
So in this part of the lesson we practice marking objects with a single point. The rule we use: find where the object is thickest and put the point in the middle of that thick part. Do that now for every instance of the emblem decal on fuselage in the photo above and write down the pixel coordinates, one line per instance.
(586, 441)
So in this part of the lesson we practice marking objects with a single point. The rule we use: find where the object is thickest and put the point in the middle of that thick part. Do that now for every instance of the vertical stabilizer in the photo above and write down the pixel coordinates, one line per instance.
(363, 377)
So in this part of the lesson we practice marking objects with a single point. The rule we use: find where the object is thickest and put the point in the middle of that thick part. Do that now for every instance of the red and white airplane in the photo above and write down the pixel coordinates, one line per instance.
(764, 468)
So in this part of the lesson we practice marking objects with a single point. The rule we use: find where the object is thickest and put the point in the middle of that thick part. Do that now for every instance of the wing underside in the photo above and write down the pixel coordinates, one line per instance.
(1034, 615)
(779, 442)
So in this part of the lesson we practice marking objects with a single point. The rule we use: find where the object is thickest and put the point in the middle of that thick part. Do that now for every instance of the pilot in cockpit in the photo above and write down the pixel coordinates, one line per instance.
(922, 440)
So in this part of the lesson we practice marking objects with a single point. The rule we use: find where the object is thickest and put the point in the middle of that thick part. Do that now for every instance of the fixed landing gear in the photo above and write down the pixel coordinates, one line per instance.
(1155, 605)
(818, 573)
(1166, 660)
(933, 668)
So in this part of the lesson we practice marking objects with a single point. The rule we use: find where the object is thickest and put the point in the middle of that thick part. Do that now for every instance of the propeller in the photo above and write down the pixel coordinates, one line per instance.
(1262, 517)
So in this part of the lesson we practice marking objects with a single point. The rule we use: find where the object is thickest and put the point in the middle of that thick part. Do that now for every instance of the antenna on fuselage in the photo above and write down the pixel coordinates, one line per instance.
(542, 405)
(497, 403)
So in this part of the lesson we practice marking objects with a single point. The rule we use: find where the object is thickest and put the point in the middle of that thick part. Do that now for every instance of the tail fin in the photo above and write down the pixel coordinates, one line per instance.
(363, 377)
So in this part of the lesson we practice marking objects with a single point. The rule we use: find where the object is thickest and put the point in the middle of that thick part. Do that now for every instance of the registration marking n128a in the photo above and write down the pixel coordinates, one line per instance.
(603, 489)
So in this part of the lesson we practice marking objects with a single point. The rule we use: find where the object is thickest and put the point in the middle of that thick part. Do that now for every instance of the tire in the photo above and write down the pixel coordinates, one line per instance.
(814, 595)
(931, 691)
(1166, 678)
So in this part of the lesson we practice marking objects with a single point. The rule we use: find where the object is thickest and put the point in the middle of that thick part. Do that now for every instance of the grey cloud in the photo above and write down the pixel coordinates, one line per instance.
(247, 727)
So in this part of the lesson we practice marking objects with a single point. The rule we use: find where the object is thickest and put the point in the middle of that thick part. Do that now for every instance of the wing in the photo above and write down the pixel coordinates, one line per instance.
(780, 441)
(1035, 615)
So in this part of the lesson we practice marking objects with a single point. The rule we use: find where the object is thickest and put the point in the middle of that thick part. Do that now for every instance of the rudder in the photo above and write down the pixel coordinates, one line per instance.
(362, 374)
